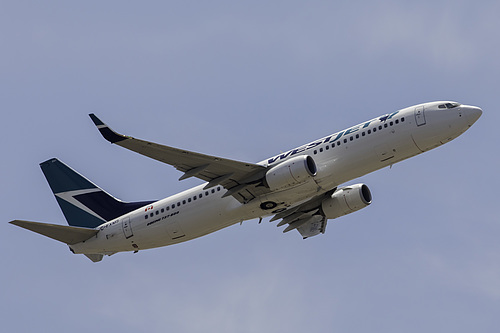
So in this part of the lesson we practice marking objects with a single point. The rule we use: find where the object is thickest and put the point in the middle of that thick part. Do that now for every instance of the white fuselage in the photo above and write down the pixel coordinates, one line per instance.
(340, 157)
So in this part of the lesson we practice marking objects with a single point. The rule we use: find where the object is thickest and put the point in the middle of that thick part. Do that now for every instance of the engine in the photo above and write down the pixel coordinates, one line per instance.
(347, 200)
(291, 172)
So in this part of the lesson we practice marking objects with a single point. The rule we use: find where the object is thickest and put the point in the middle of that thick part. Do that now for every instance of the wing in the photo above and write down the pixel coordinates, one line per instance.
(307, 217)
(242, 180)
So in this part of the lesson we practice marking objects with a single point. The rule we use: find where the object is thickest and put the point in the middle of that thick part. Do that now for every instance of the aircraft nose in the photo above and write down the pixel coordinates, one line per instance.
(472, 113)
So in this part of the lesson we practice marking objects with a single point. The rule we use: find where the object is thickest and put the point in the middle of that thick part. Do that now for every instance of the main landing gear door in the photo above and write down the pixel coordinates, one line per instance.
(420, 116)
(127, 228)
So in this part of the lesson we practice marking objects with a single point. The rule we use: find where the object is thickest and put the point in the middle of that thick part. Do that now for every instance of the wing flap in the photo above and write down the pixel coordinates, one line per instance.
(66, 234)
(307, 218)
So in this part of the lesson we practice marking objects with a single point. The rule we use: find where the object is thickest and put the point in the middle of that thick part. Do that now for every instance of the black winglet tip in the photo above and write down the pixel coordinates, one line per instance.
(97, 121)
(49, 161)
(106, 132)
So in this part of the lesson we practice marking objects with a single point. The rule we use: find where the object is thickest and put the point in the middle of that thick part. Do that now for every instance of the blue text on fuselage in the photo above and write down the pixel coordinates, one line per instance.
(329, 139)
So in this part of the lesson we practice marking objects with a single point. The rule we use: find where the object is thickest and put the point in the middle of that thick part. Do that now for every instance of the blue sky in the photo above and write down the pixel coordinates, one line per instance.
(246, 81)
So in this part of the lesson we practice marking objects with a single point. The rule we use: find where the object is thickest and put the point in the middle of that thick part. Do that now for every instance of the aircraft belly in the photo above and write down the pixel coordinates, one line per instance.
(193, 223)
(218, 215)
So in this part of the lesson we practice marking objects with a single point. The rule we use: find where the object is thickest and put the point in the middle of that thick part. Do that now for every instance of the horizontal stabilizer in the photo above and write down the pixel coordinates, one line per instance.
(66, 234)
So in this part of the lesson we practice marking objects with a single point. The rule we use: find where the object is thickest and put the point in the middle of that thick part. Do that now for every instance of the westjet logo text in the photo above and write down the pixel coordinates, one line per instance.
(330, 139)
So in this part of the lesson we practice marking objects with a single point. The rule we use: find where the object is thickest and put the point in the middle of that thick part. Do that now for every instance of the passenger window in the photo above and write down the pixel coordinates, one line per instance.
(327, 147)
(357, 136)
(151, 215)
(402, 119)
(380, 127)
(163, 210)
(168, 208)
(206, 193)
(213, 191)
(369, 131)
(363, 134)
(315, 152)
(338, 143)
(173, 206)
(183, 202)
(391, 123)
(146, 217)
(189, 199)
(321, 150)
(200, 196)
(397, 121)
(345, 140)
(178, 204)
(385, 125)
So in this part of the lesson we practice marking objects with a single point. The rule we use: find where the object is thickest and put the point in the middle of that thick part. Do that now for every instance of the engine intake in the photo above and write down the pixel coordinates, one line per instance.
(292, 172)
(347, 200)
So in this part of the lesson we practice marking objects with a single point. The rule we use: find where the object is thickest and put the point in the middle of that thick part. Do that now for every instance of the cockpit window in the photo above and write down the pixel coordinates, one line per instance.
(448, 105)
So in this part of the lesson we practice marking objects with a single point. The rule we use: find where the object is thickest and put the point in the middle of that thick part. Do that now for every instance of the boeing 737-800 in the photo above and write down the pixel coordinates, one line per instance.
(301, 187)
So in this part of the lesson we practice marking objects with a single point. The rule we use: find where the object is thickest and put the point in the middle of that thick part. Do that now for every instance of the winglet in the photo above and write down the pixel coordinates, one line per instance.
(107, 132)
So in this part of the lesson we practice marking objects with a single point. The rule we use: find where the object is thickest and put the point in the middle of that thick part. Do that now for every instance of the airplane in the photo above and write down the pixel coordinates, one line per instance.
(301, 187)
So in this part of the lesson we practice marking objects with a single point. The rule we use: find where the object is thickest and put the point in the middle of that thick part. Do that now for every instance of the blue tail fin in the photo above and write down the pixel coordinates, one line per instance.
(83, 203)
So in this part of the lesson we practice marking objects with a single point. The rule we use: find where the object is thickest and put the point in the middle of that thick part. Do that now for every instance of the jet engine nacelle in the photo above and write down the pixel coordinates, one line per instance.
(347, 200)
(291, 172)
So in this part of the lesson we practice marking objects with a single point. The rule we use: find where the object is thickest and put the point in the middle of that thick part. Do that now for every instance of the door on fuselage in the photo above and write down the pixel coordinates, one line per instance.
(420, 116)
(127, 228)
(174, 230)
(384, 152)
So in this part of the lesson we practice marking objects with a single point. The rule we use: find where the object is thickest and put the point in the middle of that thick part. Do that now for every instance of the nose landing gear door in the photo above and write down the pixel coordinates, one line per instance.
(419, 115)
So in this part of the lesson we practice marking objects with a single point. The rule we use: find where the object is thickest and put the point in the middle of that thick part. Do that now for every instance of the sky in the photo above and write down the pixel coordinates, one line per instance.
(246, 80)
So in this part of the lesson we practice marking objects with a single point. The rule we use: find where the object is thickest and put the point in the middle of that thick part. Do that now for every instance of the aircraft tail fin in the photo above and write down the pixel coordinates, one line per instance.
(83, 203)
